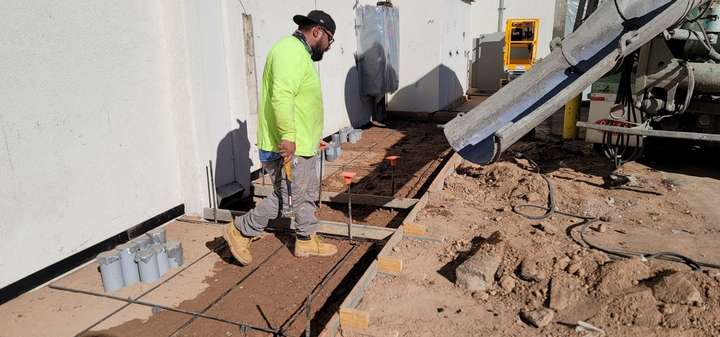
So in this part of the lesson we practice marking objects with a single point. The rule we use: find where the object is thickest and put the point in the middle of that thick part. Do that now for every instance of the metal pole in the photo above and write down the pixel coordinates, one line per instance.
(153, 305)
(207, 179)
(214, 194)
(350, 211)
(322, 163)
(501, 15)
(393, 181)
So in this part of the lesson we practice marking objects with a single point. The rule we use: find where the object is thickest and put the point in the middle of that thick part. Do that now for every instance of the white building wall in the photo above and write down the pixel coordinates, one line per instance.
(87, 141)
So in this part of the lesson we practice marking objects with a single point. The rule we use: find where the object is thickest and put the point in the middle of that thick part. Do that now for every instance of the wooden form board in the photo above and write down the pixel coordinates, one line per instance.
(325, 227)
(356, 294)
(357, 199)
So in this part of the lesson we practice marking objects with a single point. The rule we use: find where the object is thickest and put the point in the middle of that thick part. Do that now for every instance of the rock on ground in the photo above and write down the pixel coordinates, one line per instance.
(531, 271)
(538, 318)
(617, 276)
(478, 272)
(677, 289)
(564, 292)
(635, 309)
(507, 283)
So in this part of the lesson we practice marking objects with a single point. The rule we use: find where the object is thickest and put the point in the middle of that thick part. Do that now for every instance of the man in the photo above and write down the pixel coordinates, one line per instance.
(290, 124)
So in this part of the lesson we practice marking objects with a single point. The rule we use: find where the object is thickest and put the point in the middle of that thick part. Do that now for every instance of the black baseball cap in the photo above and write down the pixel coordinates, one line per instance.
(316, 17)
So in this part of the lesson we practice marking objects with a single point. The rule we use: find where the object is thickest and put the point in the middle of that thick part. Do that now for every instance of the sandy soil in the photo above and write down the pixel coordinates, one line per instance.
(545, 278)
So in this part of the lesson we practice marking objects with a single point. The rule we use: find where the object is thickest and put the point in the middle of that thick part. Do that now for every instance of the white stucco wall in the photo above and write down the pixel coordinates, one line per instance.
(434, 47)
(87, 141)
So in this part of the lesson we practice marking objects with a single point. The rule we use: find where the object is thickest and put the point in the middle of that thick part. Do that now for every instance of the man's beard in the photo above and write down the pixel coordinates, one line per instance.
(317, 53)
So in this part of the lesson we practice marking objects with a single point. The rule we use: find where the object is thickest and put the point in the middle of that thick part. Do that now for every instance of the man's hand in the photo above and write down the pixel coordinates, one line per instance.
(323, 144)
(287, 150)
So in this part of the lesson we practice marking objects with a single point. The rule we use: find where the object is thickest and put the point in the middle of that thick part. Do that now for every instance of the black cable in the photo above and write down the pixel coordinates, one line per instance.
(550, 209)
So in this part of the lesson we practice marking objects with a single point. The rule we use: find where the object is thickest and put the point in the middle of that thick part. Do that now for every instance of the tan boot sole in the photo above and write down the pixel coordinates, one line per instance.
(306, 254)
(226, 236)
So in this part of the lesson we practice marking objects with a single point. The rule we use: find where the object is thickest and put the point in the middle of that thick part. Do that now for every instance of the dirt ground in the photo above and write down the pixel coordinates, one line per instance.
(271, 290)
(544, 277)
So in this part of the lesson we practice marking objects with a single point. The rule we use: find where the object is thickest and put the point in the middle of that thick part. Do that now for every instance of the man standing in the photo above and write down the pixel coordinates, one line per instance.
(290, 124)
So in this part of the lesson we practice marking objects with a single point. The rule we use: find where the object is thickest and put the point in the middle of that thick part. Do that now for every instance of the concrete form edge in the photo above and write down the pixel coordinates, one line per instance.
(356, 293)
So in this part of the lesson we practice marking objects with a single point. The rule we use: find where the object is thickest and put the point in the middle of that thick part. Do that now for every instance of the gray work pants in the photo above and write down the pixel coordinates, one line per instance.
(304, 191)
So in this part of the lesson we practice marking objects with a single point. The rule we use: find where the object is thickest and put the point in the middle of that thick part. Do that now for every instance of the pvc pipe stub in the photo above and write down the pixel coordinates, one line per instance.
(354, 136)
(162, 258)
(110, 270)
(142, 241)
(130, 272)
(148, 265)
(158, 235)
(343, 135)
(175, 253)
(331, 153)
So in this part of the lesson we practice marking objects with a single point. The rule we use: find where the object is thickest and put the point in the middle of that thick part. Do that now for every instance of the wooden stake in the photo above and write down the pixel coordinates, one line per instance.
(414, 230)
(354, 319)
(390, 265)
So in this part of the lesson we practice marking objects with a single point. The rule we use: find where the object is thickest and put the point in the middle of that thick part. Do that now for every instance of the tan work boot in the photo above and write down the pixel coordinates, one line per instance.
(313, 247)
(239, 245)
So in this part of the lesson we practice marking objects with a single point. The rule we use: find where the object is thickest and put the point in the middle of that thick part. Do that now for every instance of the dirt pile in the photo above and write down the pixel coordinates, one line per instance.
(545, 282)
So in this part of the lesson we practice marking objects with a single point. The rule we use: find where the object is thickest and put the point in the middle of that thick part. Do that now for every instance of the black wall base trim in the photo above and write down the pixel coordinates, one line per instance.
(63, 266)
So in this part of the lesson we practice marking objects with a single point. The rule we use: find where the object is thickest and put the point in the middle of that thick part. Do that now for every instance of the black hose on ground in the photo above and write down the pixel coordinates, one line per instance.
(550, 209)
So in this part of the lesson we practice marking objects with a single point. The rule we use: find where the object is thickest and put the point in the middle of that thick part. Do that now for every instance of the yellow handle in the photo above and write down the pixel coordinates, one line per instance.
(288, 170)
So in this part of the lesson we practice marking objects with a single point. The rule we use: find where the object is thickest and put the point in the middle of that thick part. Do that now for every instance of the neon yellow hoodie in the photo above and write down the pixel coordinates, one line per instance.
(291, 106)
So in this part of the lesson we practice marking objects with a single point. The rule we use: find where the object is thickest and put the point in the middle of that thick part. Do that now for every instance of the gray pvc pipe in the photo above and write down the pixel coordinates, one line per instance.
(162, 258)
(331, 152)
(142, 241)
(158, 235)
(354, 136)
(343, 135)
(175, 253)
(130, 272)
(110, 270)
(148, 265)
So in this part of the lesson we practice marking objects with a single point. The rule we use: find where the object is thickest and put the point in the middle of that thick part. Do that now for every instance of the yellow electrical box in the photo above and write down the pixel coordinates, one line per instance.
(521, 40)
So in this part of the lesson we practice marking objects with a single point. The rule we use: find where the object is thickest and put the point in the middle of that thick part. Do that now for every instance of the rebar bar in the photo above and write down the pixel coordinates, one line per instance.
(160, 306)
(319, 287)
